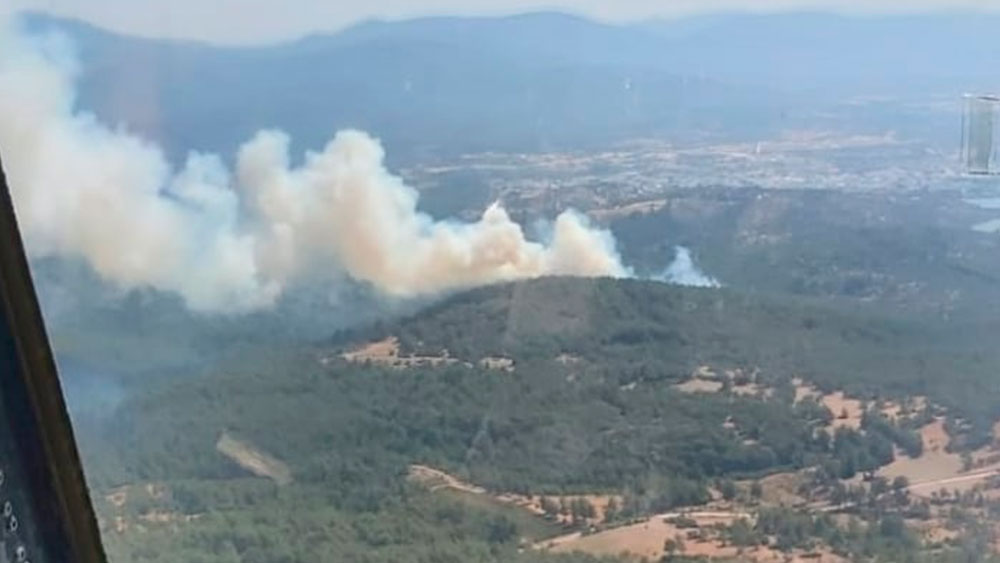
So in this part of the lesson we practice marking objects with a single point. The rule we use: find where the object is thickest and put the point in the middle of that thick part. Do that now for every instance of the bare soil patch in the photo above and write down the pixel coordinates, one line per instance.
(117, 497)
(386, 352)
(626, 210)
(846, 411)
(705, 379)
(567, 359)
(497, 363)
(803, 390)
(156, 490)
(780, 489)
(894, 410)
(435, 479)
(646, 540)
(382, 350)
(704, 372)
(699, 386)
(934, 531)
(933, 465)
(751, 390)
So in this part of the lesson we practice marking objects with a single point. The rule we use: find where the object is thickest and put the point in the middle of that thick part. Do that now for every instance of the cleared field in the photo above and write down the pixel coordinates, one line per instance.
(936, 468)
(841, 405)
(846, 411)
(933, 465)
(645, 540)
(386, 352)
(780, 489)
(699, 386)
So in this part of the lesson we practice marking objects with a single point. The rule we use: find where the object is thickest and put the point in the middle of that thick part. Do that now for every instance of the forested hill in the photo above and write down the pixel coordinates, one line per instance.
(582, 395)
(644, 330)
(596, 319)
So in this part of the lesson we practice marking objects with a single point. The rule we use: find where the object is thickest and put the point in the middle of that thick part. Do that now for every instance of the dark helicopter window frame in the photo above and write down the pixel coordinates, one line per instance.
(42, 477)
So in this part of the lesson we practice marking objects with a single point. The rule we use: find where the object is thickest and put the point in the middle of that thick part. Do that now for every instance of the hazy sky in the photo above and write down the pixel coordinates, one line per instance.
(253, 21)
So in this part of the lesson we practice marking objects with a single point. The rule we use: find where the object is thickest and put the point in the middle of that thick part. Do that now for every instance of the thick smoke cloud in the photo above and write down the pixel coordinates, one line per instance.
(234, 240)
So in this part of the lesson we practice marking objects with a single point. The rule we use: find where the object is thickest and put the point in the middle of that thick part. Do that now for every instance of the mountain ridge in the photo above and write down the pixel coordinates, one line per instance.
(449, 86)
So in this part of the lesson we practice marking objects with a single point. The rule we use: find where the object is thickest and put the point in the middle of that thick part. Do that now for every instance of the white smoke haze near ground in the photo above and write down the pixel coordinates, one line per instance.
(682, 271)
(233, 241)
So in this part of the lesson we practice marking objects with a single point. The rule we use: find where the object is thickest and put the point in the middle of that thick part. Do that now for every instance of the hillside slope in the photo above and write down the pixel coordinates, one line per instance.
(643, 329)
(606, 387)
(577, 349)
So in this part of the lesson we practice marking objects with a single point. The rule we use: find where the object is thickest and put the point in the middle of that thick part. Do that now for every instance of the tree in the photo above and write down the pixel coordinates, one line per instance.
(838, 493)
(549, 507)
(892, 526)
(920, 510)
(672, 546)
(574, 511)
(756, 490)
(728, 489)
(611, 510)
(581, 509)
(822, 439)
(500, 529)
(848, 467)
(741, 533)
(879, 485)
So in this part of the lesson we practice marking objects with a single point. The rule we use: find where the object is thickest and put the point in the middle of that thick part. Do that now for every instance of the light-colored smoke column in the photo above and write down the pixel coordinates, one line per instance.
(233, 241)
(682, 271)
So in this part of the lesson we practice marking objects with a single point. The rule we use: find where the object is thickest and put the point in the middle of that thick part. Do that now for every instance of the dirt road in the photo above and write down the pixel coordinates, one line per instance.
(974, 476)
(436, 479)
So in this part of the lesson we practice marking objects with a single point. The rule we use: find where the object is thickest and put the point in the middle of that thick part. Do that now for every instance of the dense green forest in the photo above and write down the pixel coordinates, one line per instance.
(254, 522)
(644, 331)
(590, 406)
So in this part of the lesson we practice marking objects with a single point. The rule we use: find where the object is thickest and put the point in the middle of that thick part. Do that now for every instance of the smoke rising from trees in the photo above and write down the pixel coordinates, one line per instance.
(233, 240)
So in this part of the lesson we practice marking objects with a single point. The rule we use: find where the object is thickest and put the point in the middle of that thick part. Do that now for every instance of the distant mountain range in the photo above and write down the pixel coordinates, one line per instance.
(446, 85)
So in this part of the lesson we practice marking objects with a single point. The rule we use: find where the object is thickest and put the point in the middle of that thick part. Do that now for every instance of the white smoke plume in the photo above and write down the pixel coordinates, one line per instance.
(682, 271)
(233, 240)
